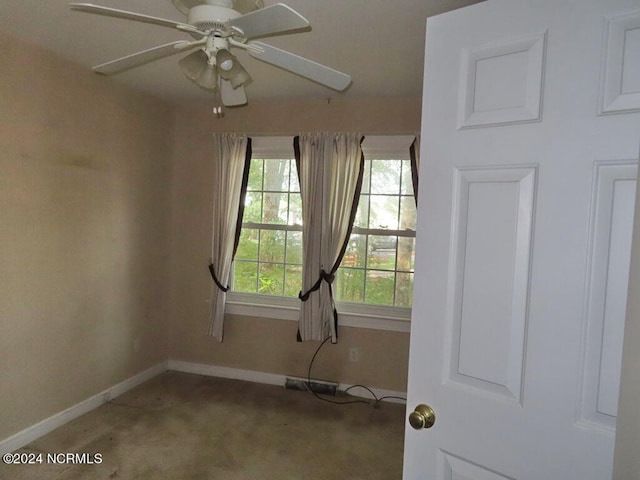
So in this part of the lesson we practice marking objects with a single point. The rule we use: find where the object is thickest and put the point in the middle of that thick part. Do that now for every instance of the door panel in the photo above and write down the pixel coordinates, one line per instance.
(611, 234)
(523, 241)
(493, 213)
(456, 468)
(501, 82)
(620, 88)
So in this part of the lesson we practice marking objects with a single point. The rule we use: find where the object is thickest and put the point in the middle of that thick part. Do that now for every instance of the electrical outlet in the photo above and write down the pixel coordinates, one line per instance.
(354, 354)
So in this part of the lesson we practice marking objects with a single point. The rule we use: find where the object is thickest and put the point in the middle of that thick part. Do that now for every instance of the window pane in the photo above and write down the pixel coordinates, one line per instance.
(252, 207)
(406, 254)
(255, 175)
(382, 252)
(271, 280)
(366, 178)
(385, 176)
(245, 276)
(294, 247)
(404, 289)
(292, 280)
(379, 287)
(295, 209)
(248, 246)
(355, 254)
(276, 175)
(407, 213)
(286, 174)
(407, 179)
(384, 212)
(294, 183)
(362, 214)
(272, 246)
(274, 209)
(350, 285)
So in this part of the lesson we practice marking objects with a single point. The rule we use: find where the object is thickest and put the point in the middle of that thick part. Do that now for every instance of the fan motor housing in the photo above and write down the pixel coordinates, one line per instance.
(210, 17)
(242, 6)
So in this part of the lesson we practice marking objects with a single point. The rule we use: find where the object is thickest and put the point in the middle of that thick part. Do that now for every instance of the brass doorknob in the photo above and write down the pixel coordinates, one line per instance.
(422, 417)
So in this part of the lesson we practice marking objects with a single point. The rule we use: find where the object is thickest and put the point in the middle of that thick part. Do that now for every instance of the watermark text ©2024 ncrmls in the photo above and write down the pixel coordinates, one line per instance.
(36, 458)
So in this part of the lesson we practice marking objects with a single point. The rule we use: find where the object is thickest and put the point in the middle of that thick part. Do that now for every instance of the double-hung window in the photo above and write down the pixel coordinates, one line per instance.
(377, 268)
(269, 256)
(375, 277)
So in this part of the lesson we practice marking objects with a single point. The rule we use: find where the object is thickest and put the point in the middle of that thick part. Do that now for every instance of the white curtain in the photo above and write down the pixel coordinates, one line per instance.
(231, 156)
(330, 168)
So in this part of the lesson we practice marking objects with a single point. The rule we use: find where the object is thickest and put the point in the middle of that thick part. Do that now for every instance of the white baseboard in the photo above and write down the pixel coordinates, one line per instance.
(226, 372)
(47, 425)
(274, 379)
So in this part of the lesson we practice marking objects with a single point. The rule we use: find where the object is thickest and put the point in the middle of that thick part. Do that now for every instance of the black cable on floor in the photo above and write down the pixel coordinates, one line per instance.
(310, 388)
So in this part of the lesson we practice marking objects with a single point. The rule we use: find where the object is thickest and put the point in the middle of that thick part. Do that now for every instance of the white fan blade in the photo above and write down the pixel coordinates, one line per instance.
(232, 97)
(299, 65)
(138, 17)
(273, 20)
(145, 56)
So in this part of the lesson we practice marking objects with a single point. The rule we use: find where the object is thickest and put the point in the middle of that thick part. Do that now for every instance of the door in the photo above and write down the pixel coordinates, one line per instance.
(531, 128)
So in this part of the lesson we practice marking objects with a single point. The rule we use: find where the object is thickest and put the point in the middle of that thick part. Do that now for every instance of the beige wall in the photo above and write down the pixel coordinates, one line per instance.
(260, 344)
(367, 116)
(84, 181)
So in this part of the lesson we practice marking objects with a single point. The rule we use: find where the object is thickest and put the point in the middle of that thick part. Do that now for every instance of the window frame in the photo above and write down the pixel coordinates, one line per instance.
(261, 227)
(358, 315)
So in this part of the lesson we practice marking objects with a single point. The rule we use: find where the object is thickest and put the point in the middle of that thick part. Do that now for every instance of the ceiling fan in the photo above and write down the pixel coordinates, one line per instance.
(217, 26)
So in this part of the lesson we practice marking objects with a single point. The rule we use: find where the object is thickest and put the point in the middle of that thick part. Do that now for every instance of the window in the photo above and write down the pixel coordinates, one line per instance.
(375, 278)
(269, 256)
(377, 268)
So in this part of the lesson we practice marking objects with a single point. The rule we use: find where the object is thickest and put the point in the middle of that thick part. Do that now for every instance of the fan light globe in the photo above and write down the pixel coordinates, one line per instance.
(208, 78)
(226, 65)
(193, 64)
(230, 68)
(197, 68)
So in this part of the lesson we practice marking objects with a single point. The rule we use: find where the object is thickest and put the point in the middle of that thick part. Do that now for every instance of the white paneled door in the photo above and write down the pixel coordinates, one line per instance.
(531, 132)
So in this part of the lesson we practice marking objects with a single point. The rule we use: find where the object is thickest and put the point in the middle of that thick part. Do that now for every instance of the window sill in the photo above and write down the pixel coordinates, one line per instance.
(377, 317)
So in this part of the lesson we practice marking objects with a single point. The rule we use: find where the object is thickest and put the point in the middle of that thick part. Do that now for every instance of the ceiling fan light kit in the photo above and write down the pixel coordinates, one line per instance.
(217, 26)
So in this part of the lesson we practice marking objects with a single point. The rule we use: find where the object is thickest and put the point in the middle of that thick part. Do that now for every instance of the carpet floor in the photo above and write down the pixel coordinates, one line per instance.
(180, 427)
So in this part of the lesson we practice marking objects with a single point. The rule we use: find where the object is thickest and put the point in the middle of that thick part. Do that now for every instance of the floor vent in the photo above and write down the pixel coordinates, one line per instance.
(317, 386)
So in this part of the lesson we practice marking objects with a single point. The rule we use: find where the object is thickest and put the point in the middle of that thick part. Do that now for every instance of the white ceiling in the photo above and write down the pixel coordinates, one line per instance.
(380, 43)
